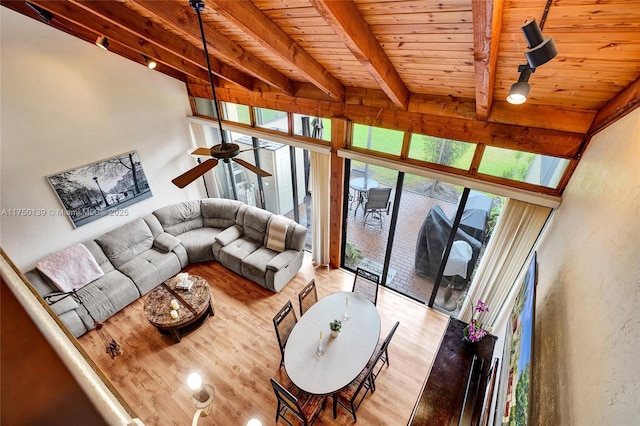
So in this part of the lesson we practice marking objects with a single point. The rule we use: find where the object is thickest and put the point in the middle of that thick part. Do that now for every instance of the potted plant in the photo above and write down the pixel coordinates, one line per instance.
(474, 332)
(335, 326)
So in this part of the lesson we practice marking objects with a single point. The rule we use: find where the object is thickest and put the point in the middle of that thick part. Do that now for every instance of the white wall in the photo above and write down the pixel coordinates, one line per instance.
(66, 103)
(587, 344)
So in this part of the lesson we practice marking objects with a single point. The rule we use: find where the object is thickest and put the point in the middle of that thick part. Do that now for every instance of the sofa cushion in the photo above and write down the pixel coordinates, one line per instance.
(154, 225)
(296, 235)
(219, 212)
(229, 235)
(63, 303)
(180, 218)
(198, 242)
(118, 288)
(254, 266)
(255, 224)
(94, 300)
(165, 242)
(150, 269)
(126, 242)
(99, 256)
(232, 254)
(40, 282)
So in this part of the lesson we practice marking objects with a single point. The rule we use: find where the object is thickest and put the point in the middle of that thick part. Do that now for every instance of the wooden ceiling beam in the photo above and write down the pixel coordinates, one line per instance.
(84, 19)
(624, 102)
(248, 18)
(348, 23)
(128, 20)
(520, 138)
(185, 20)
(487, 25)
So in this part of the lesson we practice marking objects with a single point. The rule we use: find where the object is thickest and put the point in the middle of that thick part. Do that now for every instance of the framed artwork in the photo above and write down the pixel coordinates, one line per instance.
(515, 387)
(103, 188)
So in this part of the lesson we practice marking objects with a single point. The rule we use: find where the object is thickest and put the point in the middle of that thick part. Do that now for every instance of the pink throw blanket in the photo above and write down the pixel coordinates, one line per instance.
(72, 268)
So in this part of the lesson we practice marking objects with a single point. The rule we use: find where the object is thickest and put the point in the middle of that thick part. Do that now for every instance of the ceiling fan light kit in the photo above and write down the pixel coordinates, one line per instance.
(223, 151)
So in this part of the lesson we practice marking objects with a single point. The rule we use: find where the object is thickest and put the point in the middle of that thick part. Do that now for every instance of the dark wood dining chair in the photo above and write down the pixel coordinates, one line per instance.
(381, 354)
(351, 396)
(305, 406)
(308, 296)
(366, 284)
(284, 321)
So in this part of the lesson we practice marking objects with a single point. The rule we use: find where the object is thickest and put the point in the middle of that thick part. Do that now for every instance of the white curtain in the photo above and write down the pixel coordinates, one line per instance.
(515, 234)
(320, 199)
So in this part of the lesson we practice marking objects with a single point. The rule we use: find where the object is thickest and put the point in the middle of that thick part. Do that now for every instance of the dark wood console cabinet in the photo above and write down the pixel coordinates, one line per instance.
(454, 392)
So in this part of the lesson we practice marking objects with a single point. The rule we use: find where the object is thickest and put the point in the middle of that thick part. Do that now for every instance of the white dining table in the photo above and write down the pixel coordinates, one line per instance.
(346, 355)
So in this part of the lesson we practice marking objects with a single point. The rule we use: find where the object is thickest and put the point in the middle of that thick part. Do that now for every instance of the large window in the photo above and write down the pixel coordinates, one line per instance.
(272, 119)
(377, 139)
(523, 166)
(236, 112)
(441, 151)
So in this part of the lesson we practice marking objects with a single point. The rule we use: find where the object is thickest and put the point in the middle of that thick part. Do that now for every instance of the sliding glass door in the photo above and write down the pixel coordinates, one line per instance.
(417, 246)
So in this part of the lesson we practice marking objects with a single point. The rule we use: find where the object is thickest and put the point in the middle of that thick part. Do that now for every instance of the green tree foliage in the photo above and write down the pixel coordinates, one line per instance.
(521, 167)
(442, 151)
(519, 412)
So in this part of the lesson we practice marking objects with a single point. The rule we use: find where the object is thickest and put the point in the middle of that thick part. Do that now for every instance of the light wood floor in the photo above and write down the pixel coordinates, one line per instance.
(237, 352)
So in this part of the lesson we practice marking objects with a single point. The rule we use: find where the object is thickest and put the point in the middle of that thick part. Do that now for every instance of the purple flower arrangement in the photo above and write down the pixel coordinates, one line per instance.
(474, 331)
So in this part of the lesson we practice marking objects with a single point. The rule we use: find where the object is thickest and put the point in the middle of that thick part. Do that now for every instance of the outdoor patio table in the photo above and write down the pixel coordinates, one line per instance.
(362, 186)
(346, 355)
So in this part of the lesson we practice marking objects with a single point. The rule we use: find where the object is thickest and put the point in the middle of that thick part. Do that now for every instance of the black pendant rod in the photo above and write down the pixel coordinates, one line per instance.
(198, 6)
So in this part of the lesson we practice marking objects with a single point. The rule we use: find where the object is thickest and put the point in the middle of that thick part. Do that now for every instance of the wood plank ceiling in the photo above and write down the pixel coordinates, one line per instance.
(441, 67)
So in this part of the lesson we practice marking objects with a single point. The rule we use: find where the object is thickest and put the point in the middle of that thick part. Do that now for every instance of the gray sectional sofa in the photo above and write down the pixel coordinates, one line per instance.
(140, 255)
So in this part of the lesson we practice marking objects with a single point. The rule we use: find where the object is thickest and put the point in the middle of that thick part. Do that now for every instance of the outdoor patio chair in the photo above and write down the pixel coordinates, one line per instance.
(305, 406)
(366, 283)
(308, 296)
(284, 321)
(377, 203)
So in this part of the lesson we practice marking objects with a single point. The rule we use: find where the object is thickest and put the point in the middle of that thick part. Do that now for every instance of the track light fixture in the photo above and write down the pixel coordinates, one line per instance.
(45, 15)
(151, 63)
(520, 90)
(103, 42)
(539, 51)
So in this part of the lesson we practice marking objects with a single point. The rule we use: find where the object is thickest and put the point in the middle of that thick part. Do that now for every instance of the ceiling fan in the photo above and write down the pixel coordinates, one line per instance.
(223, 151)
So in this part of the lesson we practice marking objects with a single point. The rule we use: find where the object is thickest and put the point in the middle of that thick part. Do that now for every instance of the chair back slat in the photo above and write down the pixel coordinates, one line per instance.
(366, 284)
(284, 321)
(308, 296)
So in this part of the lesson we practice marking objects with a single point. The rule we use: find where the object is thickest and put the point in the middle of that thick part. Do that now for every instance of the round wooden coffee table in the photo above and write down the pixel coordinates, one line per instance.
(195, 306)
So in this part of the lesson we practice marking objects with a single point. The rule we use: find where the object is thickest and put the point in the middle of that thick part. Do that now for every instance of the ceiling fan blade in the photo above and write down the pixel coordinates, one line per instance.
(193, 174)
(201, 151)
(251, 149)
(251, 167)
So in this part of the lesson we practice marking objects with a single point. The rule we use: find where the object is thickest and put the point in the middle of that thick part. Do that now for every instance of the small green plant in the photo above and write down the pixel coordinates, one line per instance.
(335, 325)
(352, 255)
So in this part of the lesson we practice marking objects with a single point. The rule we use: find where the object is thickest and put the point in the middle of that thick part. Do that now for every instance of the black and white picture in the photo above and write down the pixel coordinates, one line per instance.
(102, 188)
